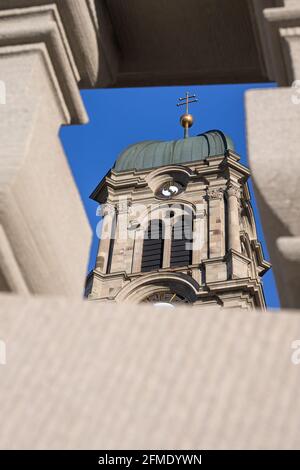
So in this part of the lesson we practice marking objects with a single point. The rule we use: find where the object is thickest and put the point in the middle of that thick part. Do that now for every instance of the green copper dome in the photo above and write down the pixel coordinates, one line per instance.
(153, 153)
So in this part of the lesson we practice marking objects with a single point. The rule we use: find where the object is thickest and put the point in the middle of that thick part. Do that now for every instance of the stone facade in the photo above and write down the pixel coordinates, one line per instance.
(227, 261)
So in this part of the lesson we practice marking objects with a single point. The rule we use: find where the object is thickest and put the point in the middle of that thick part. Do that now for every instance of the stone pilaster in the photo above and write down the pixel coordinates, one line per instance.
(107, 234)
(216, 221)
(200, 246)
(167, 240)
(121, 237)
(138, 250)
(233, 202)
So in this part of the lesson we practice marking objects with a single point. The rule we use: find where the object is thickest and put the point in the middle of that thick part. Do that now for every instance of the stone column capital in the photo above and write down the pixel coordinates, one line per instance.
(123, 206)
(108, 209)
(215, 193)
(233, 190)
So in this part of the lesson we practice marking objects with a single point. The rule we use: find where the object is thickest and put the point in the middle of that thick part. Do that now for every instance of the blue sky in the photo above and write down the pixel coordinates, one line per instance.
(120, 117)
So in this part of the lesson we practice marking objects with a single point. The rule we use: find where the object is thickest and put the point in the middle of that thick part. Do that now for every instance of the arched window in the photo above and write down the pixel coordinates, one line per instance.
(153, 247)
(182, 240)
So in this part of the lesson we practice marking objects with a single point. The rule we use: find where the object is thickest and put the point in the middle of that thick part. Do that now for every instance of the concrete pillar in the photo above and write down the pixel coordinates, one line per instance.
(12, 279)
(41, 213)
(233, 194)
(273, 133)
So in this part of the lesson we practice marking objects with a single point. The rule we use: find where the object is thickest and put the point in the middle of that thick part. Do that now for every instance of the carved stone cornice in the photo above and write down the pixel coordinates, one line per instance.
(78, 18)
(40, 29)
(281, 38)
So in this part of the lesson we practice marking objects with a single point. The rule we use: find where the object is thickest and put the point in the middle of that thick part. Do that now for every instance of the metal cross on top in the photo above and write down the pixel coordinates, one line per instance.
(186, 120)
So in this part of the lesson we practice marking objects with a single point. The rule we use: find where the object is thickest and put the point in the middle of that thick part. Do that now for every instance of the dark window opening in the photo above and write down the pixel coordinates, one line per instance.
(182, 238)
(153, 246)
(111, 244)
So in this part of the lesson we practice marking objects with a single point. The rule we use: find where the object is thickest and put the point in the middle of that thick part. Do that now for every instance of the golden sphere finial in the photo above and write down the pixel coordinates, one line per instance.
(186, 120)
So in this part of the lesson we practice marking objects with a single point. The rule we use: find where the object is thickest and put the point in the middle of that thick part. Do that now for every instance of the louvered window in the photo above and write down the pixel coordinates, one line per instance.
(182, 236)
(153, 246)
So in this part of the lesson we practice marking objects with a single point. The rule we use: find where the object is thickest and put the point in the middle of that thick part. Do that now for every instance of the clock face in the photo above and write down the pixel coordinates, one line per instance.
(169, 190)
(165, 299)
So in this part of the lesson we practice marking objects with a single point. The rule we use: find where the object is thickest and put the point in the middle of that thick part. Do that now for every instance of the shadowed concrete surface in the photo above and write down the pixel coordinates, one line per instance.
(140, 38)
(88, 375)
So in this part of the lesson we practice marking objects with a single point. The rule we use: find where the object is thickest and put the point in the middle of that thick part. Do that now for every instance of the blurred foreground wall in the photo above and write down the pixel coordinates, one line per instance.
(80, 375)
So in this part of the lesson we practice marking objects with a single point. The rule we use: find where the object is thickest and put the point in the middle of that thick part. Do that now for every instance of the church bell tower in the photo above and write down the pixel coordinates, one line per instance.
(177, 225)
